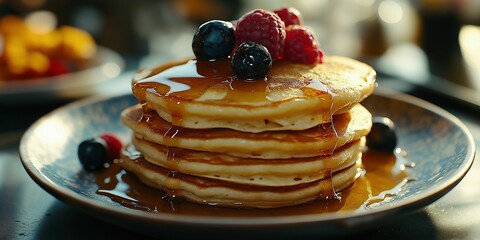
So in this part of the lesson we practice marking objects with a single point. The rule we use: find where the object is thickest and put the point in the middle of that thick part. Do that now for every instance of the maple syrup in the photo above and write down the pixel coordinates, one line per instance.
(149, 117)
(385, 175)
(183, 82)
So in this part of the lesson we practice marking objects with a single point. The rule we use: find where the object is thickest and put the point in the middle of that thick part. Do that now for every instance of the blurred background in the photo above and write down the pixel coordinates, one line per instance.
(53, 52)
(431, 44)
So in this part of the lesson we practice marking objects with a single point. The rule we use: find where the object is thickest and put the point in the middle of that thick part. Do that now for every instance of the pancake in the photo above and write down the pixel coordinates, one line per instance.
(206, 94)
(222, 193)
(201, 134)
(316, 141)
(269, 172)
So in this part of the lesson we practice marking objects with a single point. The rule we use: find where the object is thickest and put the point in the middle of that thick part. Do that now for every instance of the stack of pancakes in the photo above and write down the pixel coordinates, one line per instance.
(204, 135)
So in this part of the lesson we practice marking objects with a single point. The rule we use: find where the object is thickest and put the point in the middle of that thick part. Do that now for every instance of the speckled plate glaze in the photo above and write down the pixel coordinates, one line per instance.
(439, 143)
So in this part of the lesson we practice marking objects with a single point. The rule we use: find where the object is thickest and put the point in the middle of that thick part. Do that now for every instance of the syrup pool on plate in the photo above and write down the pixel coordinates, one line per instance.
(385, 175)
(189, 80)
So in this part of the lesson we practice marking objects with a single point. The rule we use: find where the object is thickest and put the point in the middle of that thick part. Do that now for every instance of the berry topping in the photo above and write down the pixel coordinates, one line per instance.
(301, 46)
(95, 153)
(382, 137)
(57, 67)
(263, 27)
(214, 40)
(251, 61)
(114, 145)
(290, 16)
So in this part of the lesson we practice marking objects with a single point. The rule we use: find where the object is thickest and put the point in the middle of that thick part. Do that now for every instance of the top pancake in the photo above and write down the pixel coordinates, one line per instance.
(206, 94)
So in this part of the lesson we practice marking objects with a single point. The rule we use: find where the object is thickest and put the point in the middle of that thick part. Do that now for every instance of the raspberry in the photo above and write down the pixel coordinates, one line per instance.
(290, 16)
(114, 145)
(57, 67)
(263, 27)
(301, 46)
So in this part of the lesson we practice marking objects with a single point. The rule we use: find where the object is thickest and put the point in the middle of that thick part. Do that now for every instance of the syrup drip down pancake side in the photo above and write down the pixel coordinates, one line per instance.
(206, 94)
(316, 141)
(252, 171)
(222, 193)
(204, 135)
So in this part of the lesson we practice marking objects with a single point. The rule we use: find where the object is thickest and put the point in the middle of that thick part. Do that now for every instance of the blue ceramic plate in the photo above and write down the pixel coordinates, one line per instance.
(439, 143)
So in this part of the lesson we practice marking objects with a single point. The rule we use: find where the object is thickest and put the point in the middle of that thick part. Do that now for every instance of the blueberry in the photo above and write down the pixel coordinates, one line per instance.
(214, 40)
(251, 61)
(382, 137)
(93, 154)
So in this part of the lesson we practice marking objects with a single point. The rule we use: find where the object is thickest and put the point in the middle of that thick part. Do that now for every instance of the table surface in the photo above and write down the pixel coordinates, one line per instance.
(28, 212)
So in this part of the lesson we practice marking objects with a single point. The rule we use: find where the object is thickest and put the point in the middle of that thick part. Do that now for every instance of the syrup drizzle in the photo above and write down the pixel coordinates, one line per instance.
(191, 80)
(328, 183)
(171, 183)
(320, 132)
(319, 86)
(401, 164)
(214, 81)
(384, 196)
(377, 183)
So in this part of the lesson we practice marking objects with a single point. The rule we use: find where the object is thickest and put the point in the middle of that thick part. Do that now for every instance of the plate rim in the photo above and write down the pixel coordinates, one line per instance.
(87, 204)
(57, 83)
